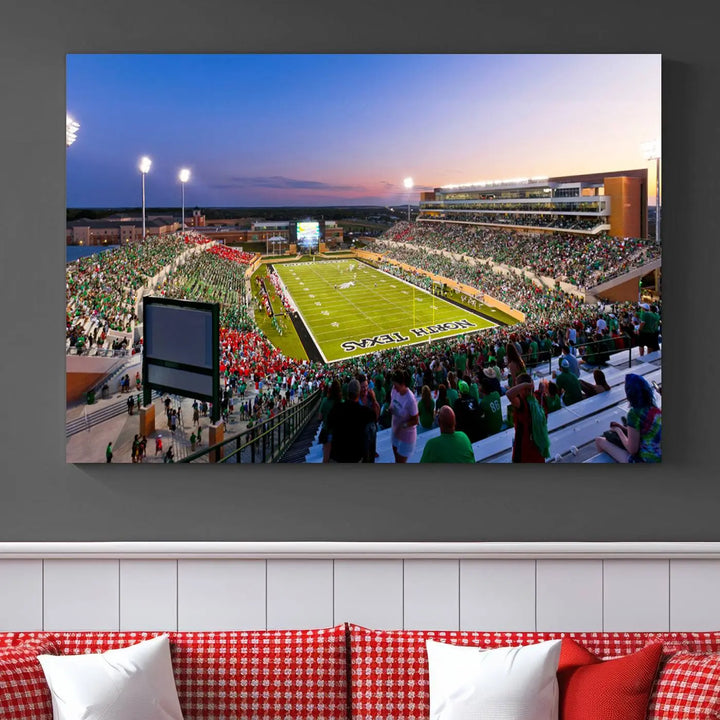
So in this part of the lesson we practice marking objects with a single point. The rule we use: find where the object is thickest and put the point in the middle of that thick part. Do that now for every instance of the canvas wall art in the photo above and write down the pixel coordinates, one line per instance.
(363, 258)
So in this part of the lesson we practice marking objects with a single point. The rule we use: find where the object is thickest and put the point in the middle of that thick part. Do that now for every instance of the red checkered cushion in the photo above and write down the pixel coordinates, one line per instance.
(389, 669)
(273, 675)
(691, 642)
(24, 692)
(252, 675)
(687, 688)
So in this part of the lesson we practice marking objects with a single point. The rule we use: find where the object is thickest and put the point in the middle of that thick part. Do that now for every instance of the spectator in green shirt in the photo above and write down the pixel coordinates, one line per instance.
(569, 386)
(450, 446)
(426, 408)
(452, 388)
(490, 406)
(550, 397)
(648, 331)
(460, 361)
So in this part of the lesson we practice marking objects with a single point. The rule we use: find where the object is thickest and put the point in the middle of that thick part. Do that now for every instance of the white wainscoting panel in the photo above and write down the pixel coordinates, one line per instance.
(569, 595)
(636, 595)
(497, 595)
(695, 595)
(21, 601)
(471, 586)
(81, 594)
(221, 595)
(148, 595)
(431, 597)
(299, 594)
(369, 593)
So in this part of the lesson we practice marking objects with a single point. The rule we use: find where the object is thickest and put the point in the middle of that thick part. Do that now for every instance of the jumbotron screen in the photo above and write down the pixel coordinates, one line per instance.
(307, 233)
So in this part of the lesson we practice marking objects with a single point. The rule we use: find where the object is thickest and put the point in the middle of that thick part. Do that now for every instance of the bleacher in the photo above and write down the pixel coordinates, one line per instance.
(572, 429)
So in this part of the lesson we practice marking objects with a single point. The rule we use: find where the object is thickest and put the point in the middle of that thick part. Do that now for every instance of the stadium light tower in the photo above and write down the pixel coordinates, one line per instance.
(71, 128)
(651, 151)
(184, 177)
(408, 183)
(145, 163)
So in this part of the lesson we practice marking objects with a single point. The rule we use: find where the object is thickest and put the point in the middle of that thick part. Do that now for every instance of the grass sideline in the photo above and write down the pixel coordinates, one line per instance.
(289, 344)
(350, 313)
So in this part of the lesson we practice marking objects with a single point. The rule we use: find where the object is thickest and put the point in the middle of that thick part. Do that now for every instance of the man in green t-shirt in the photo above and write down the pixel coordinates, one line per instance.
(450, 446)
(490, 407)
(568, 384)
(648, 331)
(460, 362)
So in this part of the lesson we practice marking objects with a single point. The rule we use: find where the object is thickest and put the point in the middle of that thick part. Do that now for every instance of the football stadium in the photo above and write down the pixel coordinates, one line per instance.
(496, 299)
(313, 303)
(350, 308)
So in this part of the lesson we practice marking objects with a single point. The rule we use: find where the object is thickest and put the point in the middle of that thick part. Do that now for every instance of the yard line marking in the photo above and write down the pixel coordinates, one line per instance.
(365, 297)
(327, 282)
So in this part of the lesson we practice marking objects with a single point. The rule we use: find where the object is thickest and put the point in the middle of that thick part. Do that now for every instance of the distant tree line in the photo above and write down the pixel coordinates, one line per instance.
(226, 213)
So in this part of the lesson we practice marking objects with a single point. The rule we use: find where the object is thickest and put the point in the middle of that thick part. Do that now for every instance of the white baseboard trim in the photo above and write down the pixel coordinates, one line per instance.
(362, 550)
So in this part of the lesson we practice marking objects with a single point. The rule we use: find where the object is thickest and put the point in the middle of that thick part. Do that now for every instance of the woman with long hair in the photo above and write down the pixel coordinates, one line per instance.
(426, 408)
(640, 438)
(515, 364)
(442, 398)
(550, 397)
(452, 388)
(531, 443)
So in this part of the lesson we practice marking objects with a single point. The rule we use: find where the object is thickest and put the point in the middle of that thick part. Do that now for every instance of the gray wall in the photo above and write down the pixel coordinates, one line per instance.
(42, 498)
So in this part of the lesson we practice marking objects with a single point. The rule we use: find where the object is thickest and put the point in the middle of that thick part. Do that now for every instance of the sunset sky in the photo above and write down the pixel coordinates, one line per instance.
(280, 130)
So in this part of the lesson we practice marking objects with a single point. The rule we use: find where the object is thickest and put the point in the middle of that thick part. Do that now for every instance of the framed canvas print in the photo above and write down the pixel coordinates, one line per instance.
(312, 258)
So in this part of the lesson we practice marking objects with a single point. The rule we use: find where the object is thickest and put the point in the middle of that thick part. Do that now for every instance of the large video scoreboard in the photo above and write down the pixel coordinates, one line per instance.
(307, 234)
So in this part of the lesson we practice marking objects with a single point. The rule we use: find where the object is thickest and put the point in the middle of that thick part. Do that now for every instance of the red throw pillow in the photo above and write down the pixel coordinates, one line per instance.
(595, 689)
(24, 692)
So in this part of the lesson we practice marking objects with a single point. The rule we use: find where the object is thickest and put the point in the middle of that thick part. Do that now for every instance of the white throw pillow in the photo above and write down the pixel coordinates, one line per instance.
(132, 683)
(509, 683)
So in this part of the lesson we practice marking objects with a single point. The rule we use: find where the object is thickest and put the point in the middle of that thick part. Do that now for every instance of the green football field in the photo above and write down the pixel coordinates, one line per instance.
(351, 309)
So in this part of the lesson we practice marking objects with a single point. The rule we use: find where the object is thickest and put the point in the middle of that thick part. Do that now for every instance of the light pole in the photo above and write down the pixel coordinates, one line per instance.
(184, 177)
(145, 163)
(408, 183)
(651, 150)
(71, 128)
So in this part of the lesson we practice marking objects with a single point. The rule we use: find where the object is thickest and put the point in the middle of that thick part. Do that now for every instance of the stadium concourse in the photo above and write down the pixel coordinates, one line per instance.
(103, 294)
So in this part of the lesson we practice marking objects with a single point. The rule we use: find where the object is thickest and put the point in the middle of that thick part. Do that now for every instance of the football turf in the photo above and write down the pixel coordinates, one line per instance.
(355, 312)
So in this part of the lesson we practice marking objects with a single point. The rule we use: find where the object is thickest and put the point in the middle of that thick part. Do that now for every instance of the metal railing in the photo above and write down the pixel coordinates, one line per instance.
(595, 352)
(266, 441)
(89, 419)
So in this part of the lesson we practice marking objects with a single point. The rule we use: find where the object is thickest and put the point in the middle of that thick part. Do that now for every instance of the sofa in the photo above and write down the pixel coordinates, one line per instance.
(351, 672)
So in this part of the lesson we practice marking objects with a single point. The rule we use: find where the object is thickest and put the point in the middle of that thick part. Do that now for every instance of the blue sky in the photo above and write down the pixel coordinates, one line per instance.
(346, 129)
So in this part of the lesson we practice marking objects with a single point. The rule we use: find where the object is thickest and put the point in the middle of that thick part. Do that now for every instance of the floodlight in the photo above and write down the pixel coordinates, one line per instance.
(71, 128)
(184, 177)
(651, 149)
(408, 183)
(145, 163)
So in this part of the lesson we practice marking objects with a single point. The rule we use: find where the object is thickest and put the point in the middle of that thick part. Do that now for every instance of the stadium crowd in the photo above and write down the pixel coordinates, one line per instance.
(101, 289)
(546, 220)
(463, 373)
(582, 260)
(215, 275)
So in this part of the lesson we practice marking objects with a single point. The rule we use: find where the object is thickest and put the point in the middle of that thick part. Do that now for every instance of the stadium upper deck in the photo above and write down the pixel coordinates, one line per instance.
(612, 202)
